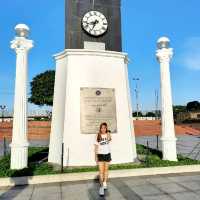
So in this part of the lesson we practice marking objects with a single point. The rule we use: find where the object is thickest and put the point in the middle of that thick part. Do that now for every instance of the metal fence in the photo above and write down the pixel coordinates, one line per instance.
(187, 145)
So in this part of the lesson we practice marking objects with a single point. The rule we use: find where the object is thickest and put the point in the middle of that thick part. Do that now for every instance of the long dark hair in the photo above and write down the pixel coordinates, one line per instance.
(99, 133)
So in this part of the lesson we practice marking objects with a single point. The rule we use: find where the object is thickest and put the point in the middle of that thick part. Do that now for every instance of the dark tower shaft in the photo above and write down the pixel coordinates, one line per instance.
(75, 35)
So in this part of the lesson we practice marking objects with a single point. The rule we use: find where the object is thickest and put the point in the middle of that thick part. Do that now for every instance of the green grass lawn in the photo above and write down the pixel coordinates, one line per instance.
(38, 164)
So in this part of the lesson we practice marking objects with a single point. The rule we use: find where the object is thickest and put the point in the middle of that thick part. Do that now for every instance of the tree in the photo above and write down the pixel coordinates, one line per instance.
(193, 106)
(150, 114)
(134, 114)
(42, 88)
(178, 109)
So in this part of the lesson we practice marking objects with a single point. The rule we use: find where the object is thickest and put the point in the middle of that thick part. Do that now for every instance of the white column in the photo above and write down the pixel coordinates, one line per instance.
(19, 145)
(164, 55)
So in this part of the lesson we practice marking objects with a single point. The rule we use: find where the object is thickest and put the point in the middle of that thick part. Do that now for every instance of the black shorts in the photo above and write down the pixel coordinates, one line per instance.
(104, 157)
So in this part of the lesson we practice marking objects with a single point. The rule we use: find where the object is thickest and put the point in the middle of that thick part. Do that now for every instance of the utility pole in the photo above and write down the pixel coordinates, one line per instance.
(137, 95)
(156, 103)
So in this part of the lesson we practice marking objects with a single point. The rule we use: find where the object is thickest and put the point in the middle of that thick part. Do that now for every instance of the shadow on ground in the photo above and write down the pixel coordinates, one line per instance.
(22, 175)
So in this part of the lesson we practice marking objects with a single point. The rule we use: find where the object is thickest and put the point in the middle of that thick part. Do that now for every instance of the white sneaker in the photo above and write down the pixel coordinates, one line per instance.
(105, 185)
(101, 191)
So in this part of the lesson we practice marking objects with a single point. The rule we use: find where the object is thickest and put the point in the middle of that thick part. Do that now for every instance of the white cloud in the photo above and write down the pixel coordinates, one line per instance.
(190, 57)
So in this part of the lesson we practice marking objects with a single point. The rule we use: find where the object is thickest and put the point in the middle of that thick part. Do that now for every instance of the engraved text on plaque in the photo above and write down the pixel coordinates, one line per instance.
(97, 105)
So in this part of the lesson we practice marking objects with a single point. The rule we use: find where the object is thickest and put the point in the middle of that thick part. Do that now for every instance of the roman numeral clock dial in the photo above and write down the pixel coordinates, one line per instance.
(94, 23)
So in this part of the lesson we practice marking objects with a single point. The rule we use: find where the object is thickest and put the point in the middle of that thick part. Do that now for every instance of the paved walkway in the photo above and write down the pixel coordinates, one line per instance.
(165, 187)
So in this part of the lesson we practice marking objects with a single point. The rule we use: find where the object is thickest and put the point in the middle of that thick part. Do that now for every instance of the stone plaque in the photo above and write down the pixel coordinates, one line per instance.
(97, 105)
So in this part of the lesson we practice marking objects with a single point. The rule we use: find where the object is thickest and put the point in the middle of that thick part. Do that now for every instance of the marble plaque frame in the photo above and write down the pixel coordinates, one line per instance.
(97, 105)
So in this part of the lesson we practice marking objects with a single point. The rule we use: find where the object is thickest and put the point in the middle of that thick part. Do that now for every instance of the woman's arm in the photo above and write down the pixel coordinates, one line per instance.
(96, 149)
(109, 136)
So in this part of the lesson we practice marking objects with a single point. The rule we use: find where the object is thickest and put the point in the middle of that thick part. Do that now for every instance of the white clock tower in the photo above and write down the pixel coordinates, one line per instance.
(91, 86)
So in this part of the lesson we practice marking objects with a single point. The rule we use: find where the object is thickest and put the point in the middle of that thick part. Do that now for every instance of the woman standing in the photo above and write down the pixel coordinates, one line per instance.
(103, 155)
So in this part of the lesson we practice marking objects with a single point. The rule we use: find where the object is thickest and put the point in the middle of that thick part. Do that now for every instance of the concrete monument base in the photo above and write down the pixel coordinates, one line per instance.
(19, 157)
(169, 145)
(98, 70)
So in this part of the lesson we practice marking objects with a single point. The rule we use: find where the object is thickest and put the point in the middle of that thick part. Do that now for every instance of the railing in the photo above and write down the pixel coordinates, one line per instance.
(196, 153)
(187, 146)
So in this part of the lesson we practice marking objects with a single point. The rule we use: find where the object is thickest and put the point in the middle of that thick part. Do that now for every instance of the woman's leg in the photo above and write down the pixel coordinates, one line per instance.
(106, 167)
(101, 172)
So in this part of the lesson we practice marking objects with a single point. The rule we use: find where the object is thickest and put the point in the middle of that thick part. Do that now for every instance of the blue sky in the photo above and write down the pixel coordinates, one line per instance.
(143, 22)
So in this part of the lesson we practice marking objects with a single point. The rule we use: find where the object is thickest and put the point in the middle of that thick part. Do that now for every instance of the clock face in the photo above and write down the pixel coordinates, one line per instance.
(95, 23)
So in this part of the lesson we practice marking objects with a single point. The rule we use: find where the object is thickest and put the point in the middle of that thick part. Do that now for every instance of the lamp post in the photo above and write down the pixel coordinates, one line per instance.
(19, 145)
(164, 54)
(3, 108)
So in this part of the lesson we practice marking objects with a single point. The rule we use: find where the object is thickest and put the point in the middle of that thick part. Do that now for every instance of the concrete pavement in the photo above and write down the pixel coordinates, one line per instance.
(162, 187)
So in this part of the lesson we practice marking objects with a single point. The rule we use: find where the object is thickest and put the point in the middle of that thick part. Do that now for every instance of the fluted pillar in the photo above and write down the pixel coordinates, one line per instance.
(168, 139)
(19, 145)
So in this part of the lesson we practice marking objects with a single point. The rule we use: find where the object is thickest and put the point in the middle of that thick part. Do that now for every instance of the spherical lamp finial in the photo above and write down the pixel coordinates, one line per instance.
(163, 42)
(22, 30)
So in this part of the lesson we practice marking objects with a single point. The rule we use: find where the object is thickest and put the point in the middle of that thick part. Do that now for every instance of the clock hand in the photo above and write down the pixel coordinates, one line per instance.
(89, 23)
(95, 23)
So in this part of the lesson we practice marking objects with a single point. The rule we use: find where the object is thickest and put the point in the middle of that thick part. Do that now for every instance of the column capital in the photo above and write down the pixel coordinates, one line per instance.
(164, 55)
(21, 44)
